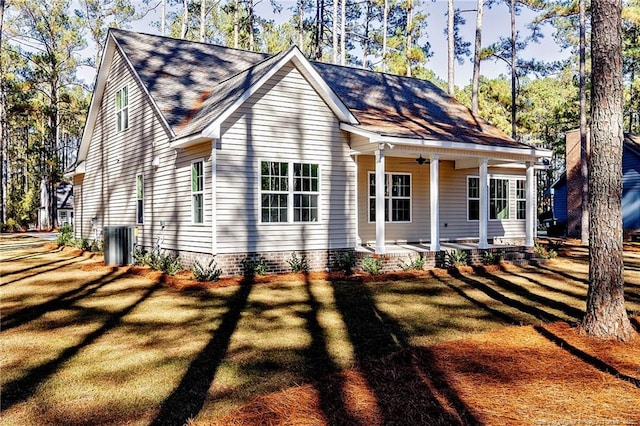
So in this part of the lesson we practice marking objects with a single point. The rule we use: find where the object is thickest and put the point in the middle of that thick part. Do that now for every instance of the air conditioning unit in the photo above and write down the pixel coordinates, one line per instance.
(119, 243)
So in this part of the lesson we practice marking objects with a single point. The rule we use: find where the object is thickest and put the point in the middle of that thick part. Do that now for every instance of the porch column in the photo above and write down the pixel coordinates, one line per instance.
(531, 206)
(434, 194)
(380, 203)
(484, 204)
(214, 195)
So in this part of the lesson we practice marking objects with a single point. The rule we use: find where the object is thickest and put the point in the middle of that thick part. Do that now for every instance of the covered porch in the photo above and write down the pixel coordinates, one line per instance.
(418, 195)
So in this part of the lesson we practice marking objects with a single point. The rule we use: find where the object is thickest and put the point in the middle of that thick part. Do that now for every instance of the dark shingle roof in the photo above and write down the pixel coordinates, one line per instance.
(633, 142)
(192, 82)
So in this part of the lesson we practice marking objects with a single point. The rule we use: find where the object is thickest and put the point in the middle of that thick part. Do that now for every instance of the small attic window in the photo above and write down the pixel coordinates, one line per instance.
(122, 109)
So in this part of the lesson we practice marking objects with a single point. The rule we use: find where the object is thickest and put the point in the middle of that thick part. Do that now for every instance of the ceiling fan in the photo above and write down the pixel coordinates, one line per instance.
(419, 161)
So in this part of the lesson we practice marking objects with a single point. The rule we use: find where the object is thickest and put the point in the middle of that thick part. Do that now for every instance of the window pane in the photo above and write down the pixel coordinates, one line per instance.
(474, 187)
(140, 211)
(197, 208)
(474, 209)
(401, 210)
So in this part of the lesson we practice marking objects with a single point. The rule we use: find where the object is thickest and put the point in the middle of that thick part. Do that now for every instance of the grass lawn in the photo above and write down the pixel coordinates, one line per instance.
(87, 344)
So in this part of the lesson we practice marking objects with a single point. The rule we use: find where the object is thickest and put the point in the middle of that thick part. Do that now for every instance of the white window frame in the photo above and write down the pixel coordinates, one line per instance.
(473, 198)
(388, 198)
(512, 200)
(282, 194)
(139, 199)
(122, 111)
(200, 192)
(507, 198)
(291, 192)
(521, 197)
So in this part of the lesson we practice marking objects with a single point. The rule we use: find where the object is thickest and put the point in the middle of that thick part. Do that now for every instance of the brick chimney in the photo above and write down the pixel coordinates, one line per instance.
(574, 182)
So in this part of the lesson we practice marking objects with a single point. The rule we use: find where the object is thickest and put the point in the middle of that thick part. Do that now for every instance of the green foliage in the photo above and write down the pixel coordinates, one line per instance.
(252, 266)
(543, 252)
(12, 225)
(209, 273)
(414, 264)
(492, 257)
(372, 265)
(298, 264)
(82, 244)
(157, 260)
(457, 258)
(65, 235)
(345, 262)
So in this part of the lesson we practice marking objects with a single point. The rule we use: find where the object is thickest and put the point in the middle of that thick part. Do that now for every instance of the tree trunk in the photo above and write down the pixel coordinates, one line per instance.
(185, 18)
(450, 48)
(475, 87)
(203, 15)
(584, 149)
(335, 31)
(163, 18)
(3, 135)
(236, 24)
(385, 18)
(301, 25)
(513, 70)
(606, 315)
(343, 33)
(409, 31)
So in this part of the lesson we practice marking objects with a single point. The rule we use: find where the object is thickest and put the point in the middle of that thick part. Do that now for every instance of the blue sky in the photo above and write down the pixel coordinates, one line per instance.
(496, 24)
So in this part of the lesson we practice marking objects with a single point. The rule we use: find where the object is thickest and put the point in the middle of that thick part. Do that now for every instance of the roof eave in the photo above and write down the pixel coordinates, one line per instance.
(376, 138)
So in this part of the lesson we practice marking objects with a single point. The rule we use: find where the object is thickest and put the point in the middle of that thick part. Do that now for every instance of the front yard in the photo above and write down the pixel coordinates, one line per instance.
(87, 344)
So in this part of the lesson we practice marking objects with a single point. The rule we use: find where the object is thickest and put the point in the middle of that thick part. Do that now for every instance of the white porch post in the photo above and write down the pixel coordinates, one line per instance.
(484, 204)
(434, 194)
(380, 202)
(531, 206)
(214, 192)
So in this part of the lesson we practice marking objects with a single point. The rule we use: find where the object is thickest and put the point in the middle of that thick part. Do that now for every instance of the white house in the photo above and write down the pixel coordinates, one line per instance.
(220, 152)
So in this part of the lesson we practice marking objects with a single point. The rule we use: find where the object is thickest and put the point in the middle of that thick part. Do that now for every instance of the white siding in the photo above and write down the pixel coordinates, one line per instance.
(114, 159)
(285, 121)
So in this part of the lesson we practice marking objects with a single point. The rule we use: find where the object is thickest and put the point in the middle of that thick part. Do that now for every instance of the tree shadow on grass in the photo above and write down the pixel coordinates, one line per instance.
(403, 391)
(188, 398)
(585, 357)
(20, 389)
(496, 295)
(38, 270)
(62, 301)
(320, 366)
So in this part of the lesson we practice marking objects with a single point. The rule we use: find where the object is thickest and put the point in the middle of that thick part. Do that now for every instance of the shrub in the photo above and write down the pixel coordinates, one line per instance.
(543, 253)
(82, 244)
(457, 258)
(167, 263)
(65, 235)
(209, 273)
(492, 257)
(298, 264)
(414, 264)
(372, 265)
(345, 262)
(252, 266)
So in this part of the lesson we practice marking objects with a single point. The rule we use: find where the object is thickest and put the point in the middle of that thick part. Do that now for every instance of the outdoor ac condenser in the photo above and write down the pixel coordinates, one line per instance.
(118, 245)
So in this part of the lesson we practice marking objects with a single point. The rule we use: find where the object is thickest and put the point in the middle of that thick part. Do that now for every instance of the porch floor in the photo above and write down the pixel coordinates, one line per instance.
(399, 248)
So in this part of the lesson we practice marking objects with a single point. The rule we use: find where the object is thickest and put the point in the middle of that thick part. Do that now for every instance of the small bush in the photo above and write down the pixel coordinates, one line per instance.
(298, 264)
(372, 265)
(543, 253)
(252, 266)
(12, 225)
(167, 263)
(209, 273)
(492, 257)
(65, 235)
(457, 258)
(82, 244)
(345, 262)
(414, 264)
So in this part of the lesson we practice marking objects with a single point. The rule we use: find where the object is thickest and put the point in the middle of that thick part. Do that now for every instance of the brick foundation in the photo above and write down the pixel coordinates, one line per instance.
(325, 260)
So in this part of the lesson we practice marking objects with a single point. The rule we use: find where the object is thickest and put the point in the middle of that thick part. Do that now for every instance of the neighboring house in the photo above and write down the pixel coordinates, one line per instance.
(568, 188)
(64, 206)
(209, 150)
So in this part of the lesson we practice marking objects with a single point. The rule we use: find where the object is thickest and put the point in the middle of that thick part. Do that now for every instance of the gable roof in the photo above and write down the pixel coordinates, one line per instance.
(194, 85)
(632, 143)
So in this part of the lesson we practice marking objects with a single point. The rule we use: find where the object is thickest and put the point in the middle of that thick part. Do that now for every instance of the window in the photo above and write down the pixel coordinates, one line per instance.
(305, 192)
(139, 199)
(473, 198)
(274, 177)
(197, 191)
(397, 197)
(122, 109)
(521, 199)
(501, 201)
(498, 199)
(289, 191)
